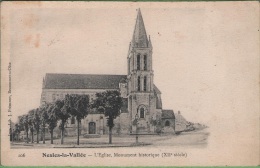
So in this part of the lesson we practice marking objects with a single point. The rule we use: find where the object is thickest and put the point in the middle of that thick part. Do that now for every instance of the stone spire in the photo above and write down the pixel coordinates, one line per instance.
(150, 43)
(43, 82)
(139, 37)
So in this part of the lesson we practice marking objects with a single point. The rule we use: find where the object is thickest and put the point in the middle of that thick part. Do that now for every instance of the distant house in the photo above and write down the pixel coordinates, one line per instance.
(180, 122)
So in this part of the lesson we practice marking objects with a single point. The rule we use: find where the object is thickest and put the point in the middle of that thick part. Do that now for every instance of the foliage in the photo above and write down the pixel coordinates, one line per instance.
(62, 113)
(52, 117)
(36, 119)
(17, 128)
(43, 118)
(43, 115)
(59, 110)
(30, 120)
(23, 122)
(108, 103)
(77, 106)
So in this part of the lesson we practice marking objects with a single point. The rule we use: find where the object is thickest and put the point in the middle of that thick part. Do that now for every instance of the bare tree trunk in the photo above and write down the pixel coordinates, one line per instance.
(27, 137)
(44, 133)
(78, 132)
(62, 136)
(32, 136)
(62, 132)
(52, 136)
(37, 136)
(110, 135)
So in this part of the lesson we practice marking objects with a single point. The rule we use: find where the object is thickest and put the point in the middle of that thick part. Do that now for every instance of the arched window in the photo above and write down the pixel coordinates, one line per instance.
(142, 112)
(139, 83)
(145, 62)
(72, 121)
(138, 62)
(167, 123)
(145, 81)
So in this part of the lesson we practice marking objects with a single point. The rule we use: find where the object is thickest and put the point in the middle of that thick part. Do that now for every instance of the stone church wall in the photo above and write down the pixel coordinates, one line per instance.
(153, 106)
(125, 122)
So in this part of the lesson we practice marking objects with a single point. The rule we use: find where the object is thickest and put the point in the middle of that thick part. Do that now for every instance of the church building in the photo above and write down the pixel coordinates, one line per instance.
(141, 97)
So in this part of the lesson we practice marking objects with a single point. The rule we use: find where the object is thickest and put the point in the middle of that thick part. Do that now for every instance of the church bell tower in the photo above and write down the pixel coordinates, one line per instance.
(141, 103)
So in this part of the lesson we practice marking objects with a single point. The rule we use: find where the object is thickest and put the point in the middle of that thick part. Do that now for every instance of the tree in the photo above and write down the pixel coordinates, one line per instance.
(43, 119)
(17, 130)
(37, 123)
(23, 121)
(109, 103)
(61, 110)
(51, 120)
(31, 123)
(78, 106)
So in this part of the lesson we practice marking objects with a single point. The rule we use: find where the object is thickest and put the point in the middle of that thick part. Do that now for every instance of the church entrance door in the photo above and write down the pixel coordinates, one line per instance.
(92, 128)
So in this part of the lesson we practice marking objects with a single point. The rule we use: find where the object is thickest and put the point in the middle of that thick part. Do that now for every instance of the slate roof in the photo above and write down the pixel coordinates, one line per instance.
(157, 91)
(158, 97)
(82, 81)
(158, 103)
(139, 36)
(85, 81)
(168, 114)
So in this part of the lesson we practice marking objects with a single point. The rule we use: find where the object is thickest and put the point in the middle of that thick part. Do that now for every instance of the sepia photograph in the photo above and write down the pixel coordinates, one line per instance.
(129, 83)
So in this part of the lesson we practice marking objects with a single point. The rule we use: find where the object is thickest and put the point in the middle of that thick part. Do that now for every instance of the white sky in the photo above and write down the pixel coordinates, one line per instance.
(197, 52)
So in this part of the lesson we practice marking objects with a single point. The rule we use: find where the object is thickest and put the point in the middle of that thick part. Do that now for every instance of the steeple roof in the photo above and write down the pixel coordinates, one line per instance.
(139, 36)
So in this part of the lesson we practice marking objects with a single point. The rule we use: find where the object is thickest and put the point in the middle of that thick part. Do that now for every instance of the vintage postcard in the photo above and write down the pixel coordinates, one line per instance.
(130, 83)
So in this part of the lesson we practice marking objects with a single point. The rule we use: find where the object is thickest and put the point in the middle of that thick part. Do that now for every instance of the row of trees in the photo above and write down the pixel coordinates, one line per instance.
(78, 106)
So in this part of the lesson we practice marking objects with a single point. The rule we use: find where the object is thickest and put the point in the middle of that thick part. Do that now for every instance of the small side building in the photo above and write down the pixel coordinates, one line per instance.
(168, 121)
